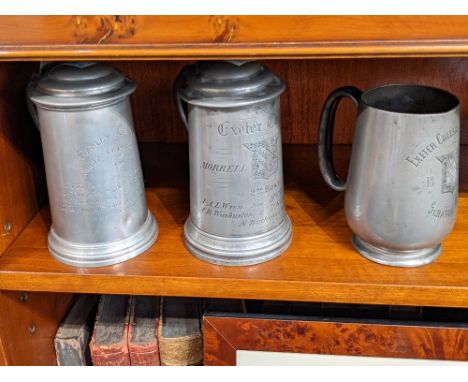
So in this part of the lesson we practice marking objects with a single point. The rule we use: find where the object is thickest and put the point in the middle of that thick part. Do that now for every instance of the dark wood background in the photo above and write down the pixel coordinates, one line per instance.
(308, 84)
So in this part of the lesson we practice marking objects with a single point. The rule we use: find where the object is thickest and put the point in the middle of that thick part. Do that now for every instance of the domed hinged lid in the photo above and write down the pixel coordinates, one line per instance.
(79, 85)
(227, 84)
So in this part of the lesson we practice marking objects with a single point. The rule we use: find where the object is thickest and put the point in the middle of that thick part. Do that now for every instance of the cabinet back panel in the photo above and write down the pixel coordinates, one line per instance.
(308, 84)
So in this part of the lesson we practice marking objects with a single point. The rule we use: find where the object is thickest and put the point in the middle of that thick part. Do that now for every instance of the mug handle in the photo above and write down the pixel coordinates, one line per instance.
(325, 134)
(31, 107)
(179, 102)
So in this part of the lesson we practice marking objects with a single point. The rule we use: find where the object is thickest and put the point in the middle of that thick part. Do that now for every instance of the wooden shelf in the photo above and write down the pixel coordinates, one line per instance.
(207, 37)
(320, 265)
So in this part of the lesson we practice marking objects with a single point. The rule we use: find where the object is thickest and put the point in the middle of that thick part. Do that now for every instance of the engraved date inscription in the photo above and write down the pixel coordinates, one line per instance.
(425, 185)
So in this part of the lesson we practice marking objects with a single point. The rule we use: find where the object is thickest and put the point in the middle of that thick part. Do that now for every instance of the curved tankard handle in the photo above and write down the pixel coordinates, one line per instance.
(325, 134)
(178, 100)
(31, 107)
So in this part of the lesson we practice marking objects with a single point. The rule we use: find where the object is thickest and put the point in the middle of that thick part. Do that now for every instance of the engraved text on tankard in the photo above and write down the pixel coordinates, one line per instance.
(402, 187)
(94, 178)
(237, 214)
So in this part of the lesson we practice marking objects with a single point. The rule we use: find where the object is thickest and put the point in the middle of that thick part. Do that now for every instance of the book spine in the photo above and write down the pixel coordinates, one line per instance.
(71, 352)
(115, 356)
(143, 345)
(73, 335)
(144, 355)
(115, 353)
(182, 351)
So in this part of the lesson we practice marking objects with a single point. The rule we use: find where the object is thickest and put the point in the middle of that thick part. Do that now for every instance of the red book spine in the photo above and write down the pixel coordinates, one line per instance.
(143, 344)
(143, 354)
(117, 355)
(109, 342)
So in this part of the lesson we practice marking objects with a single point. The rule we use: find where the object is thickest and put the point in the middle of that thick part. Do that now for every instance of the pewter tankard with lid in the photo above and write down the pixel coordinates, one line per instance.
(402, 186)
(232, 112)
(94, 178)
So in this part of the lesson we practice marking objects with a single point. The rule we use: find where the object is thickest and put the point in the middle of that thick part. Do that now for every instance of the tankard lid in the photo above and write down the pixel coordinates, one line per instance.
(227, 83)
(79, 85)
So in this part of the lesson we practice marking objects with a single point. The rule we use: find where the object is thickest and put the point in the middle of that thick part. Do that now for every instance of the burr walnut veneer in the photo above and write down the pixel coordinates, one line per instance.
(313, 55)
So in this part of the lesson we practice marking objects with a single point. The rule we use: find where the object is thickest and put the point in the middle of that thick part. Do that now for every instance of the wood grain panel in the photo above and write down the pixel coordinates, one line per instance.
(177, 37)
(22, 181)
(3, 359)
(224, 335)
(308, 84)
(321, 265)
(28, 326)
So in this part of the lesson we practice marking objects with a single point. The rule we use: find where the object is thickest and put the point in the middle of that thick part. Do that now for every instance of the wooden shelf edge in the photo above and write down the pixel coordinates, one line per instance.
(319, 266)
(279, 50)
(377, 294)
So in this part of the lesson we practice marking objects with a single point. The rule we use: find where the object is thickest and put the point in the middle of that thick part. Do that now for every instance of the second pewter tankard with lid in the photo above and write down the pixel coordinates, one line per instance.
(402, 187)
(94, 177)
(232, 112)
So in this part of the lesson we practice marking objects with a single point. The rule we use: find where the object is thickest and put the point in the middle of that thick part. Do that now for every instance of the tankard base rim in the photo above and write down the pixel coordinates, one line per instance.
(99, 255)
(406, 259)
(243, 251)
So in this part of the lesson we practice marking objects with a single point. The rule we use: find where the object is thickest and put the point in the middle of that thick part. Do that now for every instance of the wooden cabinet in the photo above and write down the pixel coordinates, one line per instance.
(313, 55)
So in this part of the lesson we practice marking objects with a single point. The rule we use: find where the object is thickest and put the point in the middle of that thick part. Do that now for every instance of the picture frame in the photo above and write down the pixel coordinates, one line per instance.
(361, 341)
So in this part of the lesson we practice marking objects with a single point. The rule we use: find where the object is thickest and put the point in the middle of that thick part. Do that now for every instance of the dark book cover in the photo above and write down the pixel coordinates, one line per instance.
(73, 335)
(142, 332)
(109, 342)
(224, 305)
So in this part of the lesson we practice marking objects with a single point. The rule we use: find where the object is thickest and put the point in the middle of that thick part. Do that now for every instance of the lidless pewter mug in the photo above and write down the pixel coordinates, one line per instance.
(402, 187)
(232, 112)
(94, 178)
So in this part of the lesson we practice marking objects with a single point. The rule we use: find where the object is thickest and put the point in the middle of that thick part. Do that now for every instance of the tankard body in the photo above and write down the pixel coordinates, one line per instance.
(94, 178)
(237, 214)
(402, 185)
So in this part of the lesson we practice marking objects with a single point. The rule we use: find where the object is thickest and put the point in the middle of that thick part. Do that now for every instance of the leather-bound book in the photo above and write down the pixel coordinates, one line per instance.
(109, 342)
(179, 332)
(142, 332)
(72, 337)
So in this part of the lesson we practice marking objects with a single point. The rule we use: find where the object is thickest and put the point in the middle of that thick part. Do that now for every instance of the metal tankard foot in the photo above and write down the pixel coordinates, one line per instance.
(248, 250)
(405, 259)
(101, 254)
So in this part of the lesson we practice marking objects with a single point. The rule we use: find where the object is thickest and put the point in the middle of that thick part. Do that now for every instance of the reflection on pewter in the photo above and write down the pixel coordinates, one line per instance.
(94, 179)
(402, 187)
(232, 113)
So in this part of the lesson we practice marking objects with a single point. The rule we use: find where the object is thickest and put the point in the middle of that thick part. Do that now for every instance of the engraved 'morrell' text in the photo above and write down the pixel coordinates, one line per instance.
(224, 168)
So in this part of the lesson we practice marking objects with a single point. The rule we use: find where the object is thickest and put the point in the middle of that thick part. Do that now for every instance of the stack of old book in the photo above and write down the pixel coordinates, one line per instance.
(131, 331)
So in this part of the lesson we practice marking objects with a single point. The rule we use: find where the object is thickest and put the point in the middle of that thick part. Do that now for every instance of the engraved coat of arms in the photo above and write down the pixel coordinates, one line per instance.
(264, 158)
(449, 172)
